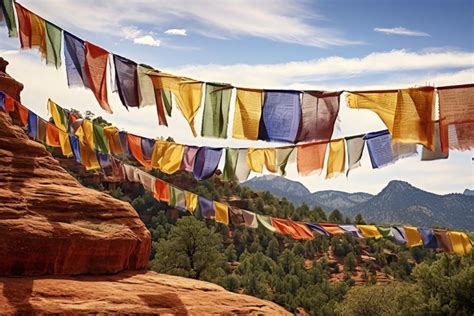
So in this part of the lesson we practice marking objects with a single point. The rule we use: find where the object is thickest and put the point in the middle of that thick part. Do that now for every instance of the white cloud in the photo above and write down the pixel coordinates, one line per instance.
(131, 32)
(400, 31)
(147, 40)
(179, 32)
(289, 21)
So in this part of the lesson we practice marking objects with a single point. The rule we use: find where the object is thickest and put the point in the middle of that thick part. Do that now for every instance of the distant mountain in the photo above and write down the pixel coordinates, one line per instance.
(398, 203)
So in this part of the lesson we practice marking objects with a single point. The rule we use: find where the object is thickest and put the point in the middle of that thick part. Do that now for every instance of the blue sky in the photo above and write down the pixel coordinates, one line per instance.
(272, 44)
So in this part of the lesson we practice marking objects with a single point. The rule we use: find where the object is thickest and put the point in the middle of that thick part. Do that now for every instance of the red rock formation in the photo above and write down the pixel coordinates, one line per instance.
(126, 293)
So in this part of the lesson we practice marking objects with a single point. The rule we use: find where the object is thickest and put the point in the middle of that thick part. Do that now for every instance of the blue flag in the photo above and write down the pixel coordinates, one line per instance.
(74, 55)
(318, 229)
(206, 207)
(124, 144)
(32, 125)
(206, 162)
(2, 100)
(379, 145)
(76, 148)
(147, 147)
(428, 237)
(126, 77)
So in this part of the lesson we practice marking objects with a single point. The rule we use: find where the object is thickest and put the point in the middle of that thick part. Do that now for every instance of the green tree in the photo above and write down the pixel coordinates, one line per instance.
(359, 220)
(273, 249)
(336, 217)
(191, 250)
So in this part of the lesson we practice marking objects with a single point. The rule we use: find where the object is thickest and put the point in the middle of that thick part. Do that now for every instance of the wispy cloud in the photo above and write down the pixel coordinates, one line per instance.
(136, 35)
(400, 31)
(289, 21)
(179, 32)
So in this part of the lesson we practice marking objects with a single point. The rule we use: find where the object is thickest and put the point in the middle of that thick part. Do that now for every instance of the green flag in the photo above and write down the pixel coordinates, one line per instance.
(100, 141)
(231, 155)
(385, 231)
(9, 15)
(53, 45)
(216, 110)
(266, 221)
(166, 96)
(282, 157)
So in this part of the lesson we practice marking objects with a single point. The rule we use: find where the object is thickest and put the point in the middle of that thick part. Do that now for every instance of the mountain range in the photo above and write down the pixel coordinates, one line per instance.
(398, 203)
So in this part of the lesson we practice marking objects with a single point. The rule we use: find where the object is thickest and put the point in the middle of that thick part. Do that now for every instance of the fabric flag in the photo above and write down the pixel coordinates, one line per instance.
(100, 142)
(75, 146)
(167, 100)
(379, 145)
(319, 113)
(95, 66)
(248, 111)
(191, 201)
(167, 156)
(385, 231)
(146, 92)
(281, 116)
(355, 148)
(258, 157)
(123, 138)
(337, 158)
(294, 229)
(162, 191)
(22, 113)
(401, 150)
(88, 157)
(399, 235)
(135, 146)
(222, 213)
(32, 125)
(187, 164)
(369, 231)
(147, 147)
(283, 157)
(318, 229)
(460, 242)
(206, 162)
(111, 134)
(428, 237)
(52, 135)
(332, 229)
(9, 17)
(242, 170)
(126, 77)
(75, 59)
(250, 219)
(443, 240)
(2, 101)
(60, 120)
(413, 236)
(304, 232)
(42, 126)
(310, 158)
(117, 170)
(351, 229)
(32, 29)
(236, 216)
(160, 109)
(427, 155)
(131, 173)
(456, 117)
(147, 180)
(231, 156)
(266, 222)
(216, 110)
(104, 161)
(9, 104)
(177, 198)
(206, 207)
(53, 45)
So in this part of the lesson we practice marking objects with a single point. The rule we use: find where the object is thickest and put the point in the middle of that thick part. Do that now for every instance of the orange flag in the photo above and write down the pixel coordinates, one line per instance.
(310, 157)
(32, 29)
(294, 229)
(96, 70)
(333, 229)
(162, 191)
(135, 145)
(22, 114)
(52, 135)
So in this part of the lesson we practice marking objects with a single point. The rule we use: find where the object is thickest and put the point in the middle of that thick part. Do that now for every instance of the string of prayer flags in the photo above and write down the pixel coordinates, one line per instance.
(75, 60)
(259, 157)
(96, 59)
(295, 230)
(9, 17)
(428, 237)
(248, 111)
(413, 236)
(32, 30)
(379, 145)
(319, 113)
(221, 211)
(206, 207)
(437, 153)
(337, 158)
(216, 110)
(281, 115)
(206, 162)
(310, 158)
(355, 148)
(189, 155)
(456, 117)
(126, 77)
(167, 156)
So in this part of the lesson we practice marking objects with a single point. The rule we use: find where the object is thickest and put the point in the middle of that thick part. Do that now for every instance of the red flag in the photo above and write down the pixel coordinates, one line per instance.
(96, 71)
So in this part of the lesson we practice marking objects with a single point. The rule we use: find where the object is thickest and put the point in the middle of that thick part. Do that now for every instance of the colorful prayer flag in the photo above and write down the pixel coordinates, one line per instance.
(379, 145)
(258, 157)
(248, 111)
(96, 59)
(355, 148)
(206, 207)
(337, 158)
(206, 162)
(167, 156)
(53, 44)
(126, 77)
(310, 158)
(222, 213)
(413, 236)
(216, 110)
(9, 16)
(75, 59)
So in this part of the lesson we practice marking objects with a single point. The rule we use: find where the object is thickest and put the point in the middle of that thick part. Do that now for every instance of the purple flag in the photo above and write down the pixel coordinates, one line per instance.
(147, 147)
(206, 207)
(428, 237)
(281, 116)
(187, 164)
(206, 162)
(75, 56)
(126, 78)
(380, 148)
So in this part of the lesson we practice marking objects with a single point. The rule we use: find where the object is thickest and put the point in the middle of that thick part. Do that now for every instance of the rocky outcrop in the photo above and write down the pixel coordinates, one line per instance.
(126, 293)
(51, 224)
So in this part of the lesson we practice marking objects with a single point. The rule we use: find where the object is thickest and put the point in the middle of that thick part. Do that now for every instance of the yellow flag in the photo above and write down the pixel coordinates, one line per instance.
(59, 121)
(167, 156)
(258, 157)
(248, 110)
(191, 201)
(222, 213)
(86, 144)
(337, 158)
(460, 242)
(369, 231)
(112, 135)
(413, 236)
(38, 34)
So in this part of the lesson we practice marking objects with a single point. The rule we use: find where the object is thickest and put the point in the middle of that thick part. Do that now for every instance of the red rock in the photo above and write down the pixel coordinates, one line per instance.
(126, 293)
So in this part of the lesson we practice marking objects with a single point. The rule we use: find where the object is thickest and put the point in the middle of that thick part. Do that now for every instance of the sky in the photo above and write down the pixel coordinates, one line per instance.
(286, 44)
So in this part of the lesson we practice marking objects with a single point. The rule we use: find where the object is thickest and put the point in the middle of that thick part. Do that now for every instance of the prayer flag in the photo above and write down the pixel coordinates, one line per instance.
(76, 147)
(147, 180)
(428, 237)
(248, 111)
(399, 235)
(379, 145)
(162, 191)
(42, 126)
(281, 116)
(231, 156)
(9, 104)
(52, 135)
(282, 226)
(332, 229)
(75, 59)
(100, 142)
(443, 240)
(146, 92)
(222, 213)
(191, 201)
(131, 173)
(124, 144)
(22, 114)
(2, 101)
(135, 146)
(206, 162)
(242, 170)
(355, 148)
(283, 157)
(206, 207)
(456, 117)
(427, 154)
(351, 229)
(236, 216)
(310, 157)
(369, 231)
(59, 118)
(53, 45)
(9, 16)
(111, 134)
(126, 77)
(318, 229)
(147, 147)
(258, 157)
(266, 222)
(187, 164)
(216, 110)
(95, 66)
(167, 156)
(319, 113)
(401, 150)
(250, 219)
(460, 242)
(303, 231)
(32, 125)
(413, 236)
(177, 198)
(32, 29)
(104, 161)
(385, 231)
(336, 159)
